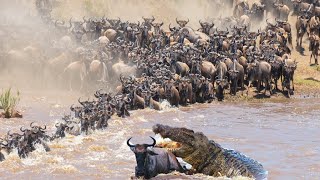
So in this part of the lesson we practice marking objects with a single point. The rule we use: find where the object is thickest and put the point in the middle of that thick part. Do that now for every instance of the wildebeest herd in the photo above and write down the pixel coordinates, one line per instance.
(182, 65)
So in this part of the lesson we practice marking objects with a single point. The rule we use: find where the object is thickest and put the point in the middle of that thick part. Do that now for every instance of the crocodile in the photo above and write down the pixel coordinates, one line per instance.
(206, 156)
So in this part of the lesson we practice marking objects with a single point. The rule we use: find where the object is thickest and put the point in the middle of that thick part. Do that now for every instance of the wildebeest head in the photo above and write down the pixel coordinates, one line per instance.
(206, 26)
(221, 85)
(60, 132)
(141, 152)
(157, 27)
(182, 23)
(148, 21)
(114, 22)
(303, 23)
(4, 145)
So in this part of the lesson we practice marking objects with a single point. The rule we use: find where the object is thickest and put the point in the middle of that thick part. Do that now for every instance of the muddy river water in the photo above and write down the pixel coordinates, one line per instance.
(281, 134)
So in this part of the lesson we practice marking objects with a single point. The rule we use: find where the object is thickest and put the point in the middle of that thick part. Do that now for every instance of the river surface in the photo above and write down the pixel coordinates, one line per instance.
(281, 134)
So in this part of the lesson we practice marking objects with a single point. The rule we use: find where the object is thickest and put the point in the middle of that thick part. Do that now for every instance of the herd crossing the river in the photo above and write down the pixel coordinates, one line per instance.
(182, 65)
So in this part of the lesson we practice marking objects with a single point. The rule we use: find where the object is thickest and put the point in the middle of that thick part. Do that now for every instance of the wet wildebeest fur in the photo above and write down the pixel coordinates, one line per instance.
(153, 161)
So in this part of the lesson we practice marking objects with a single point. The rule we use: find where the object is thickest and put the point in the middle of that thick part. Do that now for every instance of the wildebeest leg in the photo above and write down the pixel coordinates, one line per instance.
(45, 145)
(248, 88)
(292, 83)
(99, 124)
(1, 157)
(259, 86)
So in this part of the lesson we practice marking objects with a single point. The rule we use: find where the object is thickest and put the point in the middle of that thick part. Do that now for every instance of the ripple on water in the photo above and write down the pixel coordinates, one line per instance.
(63, 169)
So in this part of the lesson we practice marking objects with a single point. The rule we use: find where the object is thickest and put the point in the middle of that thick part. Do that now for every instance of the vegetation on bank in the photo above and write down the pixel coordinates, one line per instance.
(9, 102)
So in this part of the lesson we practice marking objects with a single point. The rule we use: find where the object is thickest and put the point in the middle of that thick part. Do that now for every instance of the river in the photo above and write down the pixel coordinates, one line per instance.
(281, 134)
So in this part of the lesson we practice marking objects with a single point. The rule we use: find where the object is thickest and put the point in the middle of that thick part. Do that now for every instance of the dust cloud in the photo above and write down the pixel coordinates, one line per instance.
(34, 55)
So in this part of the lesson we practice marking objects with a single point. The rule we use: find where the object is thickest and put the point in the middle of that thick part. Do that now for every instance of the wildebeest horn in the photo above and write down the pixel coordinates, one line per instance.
(153, 18)
(177, 20)
(129, 144)
(171, 29)
(70, 23)
(31, 125)
(188, 20)
(80, 101)
(97, 94)
(22, 129)
(4, 144)
(84, 19)
(45, 127)
(154, 142)
(200, 23)
(71, 107)
(57, 125)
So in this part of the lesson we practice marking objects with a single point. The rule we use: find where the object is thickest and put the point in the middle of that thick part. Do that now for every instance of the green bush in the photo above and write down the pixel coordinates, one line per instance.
(8, 102)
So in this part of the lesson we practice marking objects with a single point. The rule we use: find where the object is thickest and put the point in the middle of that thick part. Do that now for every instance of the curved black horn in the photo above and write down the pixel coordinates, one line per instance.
(70, 23)
(22, 129)
(45, 127)
(171, 29)
(80, 101)
(31, 125)
(71, 107)
(8, 133)
(154, 142)
(84, 19)
(129, 144)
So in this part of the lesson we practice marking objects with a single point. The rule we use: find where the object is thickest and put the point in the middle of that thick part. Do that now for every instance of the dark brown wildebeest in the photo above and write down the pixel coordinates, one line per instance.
(261, 72)
(301, 26)
(221, 80)
(182, 23)
(314, 47)
(289, 66)
(281, 10)
(172, 94)
(153, 161)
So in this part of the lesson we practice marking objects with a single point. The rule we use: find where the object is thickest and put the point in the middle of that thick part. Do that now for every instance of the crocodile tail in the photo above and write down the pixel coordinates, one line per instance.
(241, 164)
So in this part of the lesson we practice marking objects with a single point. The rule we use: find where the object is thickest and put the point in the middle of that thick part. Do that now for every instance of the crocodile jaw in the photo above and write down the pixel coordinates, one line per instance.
(167, 143)
(173, 147)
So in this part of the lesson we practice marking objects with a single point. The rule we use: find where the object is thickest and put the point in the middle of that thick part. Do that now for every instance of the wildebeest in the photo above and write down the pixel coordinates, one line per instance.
(172, 94)
(260, 72)
(299, 6)
(282, 11)
(236, 75)
(153, 161)
(289, 66)
(221, 80)
(301, 26)
(314, 47)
